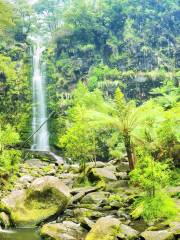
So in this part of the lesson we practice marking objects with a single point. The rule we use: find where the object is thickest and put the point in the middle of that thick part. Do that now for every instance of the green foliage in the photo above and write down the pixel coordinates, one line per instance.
(6, 16)
(104, 78)
(9, 157)
(150, 175)
(155, 208)
(153, 178)
(79, 141)
(14, 88)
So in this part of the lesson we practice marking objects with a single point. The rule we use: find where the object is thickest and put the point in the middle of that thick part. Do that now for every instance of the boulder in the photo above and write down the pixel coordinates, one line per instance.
(45, 197)
(116, 186)
(97, 174)
(63, 231)
(96, 164)
(122, 176)
(160, 235)
(123, 167)
(106, 228)
(95, 197)
(82, 212)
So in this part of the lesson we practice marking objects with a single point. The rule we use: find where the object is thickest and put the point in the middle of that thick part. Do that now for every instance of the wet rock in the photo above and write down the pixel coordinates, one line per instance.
(45, 197)
(106, 228)
(157, 235)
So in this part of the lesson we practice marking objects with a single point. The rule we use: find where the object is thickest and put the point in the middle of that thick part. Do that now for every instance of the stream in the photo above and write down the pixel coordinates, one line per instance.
(19, 234)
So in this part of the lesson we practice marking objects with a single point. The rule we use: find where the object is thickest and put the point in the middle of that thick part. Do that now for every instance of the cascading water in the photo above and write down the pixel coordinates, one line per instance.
(41, 137)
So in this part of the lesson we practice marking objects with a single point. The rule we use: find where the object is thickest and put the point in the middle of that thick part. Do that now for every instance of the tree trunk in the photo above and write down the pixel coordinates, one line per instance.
(129, 151)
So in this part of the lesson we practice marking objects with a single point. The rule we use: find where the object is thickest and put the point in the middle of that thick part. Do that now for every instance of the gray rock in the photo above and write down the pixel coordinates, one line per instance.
(116, 186)
(157, 235)
(87, 223)
(123, 167)
(122, 176)
(97, 164)
(101, 173)
(95, 197)
(61, 231)
(127, 232)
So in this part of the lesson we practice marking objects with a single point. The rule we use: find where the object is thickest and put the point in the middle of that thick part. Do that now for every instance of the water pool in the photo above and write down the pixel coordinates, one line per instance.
(19, 234)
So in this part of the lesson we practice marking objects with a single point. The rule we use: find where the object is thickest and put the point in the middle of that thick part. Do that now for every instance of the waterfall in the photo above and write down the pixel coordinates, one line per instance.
(41, 138)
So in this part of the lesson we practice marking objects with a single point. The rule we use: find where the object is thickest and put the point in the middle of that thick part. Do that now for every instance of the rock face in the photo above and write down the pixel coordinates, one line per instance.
(63, 231)
(45, 197)
(160, 235)
(106, 228)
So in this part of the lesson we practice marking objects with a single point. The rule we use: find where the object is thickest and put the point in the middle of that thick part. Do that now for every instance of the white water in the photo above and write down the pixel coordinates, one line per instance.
(41, 138)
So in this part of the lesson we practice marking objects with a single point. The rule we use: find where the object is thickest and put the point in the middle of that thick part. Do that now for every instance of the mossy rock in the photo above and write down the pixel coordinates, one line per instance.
(46, 197)
(160, 235)
(61, 231)
(99, 174)
(106, 228)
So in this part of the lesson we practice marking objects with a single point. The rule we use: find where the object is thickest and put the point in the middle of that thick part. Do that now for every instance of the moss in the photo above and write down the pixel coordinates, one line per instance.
(100, 235)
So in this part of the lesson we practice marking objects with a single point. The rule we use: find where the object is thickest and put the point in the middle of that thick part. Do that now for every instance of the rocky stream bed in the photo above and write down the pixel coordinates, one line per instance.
(61, 202)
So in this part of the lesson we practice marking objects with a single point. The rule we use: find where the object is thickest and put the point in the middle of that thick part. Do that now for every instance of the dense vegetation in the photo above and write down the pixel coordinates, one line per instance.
(113, 84)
